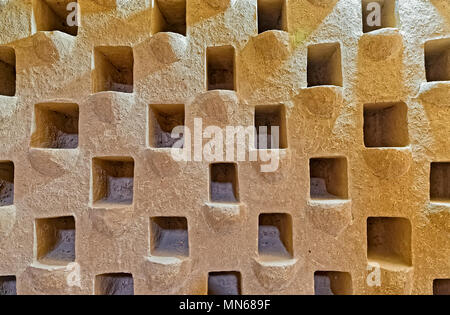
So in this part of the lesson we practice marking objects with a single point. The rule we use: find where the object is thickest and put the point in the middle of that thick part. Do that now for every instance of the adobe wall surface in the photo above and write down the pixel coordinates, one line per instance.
(363, 180)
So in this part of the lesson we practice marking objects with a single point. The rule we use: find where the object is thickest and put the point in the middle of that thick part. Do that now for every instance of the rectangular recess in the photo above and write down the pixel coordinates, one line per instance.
(220, 64)
(324, 64)
(114, 284)
(113, 181)
(328, 178)
(266, 117)
(114, 66)
(271, 15)
(389, 240)
(7, 71)
(55, 240)
(332, 283)
(224, 185)
(54, 15)
(163, 119)
(378, 14)
(441, 287)
(169, 237)
(169, 16)
(386, 125)
(224, 283)
(6, 183)
(8, 285)
(440, 182)
(275, 241)
(437, 60)
(55, 126)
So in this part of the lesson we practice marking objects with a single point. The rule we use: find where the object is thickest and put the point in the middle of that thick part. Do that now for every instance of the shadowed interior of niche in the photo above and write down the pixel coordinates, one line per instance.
(437, 60)
(55, 239)
(440, 182)
(224, 183)
(6, 183)
(55, 126)
(441, 286)
(7, 71)
(328, 178)
(169, 16)
(112, 181)
(387, 17)
(224, 283)
(270, 116)
(114, 284)
(220, 68)
(163, 118)
(332, 283)
(271, 15)
(324, 64)
(275, 236)
(54, 15)
(113, 69)
(169, 237)
(389, 240)
(8, 285)
(385, 125)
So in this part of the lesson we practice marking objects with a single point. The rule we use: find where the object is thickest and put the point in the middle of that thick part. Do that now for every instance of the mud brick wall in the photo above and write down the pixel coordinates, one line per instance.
(92, 201)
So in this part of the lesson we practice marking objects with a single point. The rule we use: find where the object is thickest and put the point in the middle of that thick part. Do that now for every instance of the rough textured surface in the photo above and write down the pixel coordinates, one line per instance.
(380, 206)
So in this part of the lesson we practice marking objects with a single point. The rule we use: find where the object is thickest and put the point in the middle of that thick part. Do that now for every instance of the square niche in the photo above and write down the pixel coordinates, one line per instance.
(275, 236)
(324, 64)
(224, 283)
(223, 183)
(169, 237)
(55, 238)
(114, 66)
(55, 126)
(332, 283)
(7, 71)
(386, 125)
(389, 240)
(269, 119)
(163, 119)
(328, 178)
(220, 68)
(114, 284)
(113, 181)
(56, 15)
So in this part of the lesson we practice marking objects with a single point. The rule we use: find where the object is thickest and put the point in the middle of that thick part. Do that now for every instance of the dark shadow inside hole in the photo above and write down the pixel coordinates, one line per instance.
(224, 183)
(8, 285)
(55, 240)
(114, 284)
(271, 15)
(220, 68)
(169, 236)
(163, 119)
(6, 183)
(332, 283)
(275, 236)
(53, 15)
(224, 283)
(328, 178)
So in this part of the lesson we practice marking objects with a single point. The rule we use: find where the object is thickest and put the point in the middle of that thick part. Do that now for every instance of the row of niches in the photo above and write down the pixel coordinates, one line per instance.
(113, 182)
(171, 15)
(114, 67)
(388, 243)
(56, 126)
(222, 283)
